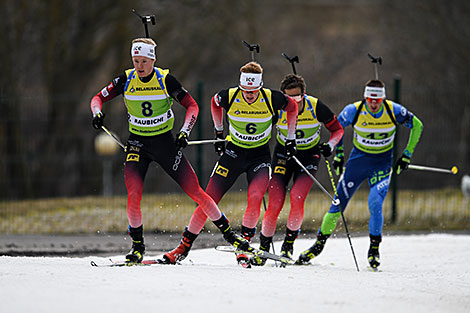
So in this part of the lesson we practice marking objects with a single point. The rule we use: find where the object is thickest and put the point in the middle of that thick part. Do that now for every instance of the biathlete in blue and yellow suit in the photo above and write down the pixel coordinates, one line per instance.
(312, 112)
(148, 94)
(251, 110)
(374, 121)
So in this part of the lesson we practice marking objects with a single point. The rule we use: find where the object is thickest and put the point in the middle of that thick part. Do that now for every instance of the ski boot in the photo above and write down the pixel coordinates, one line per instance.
(179, 253)
(235, 240)
(264, 245)
(287, 248)
(373, 255)
(313, 251)
(229, 235)
(136, 254)
(247, 234)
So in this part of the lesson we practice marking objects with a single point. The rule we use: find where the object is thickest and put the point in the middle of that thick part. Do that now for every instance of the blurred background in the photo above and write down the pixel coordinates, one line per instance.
(56, 55)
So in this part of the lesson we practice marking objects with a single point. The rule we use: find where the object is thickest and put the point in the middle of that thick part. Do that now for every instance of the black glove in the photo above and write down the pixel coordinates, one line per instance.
(181, 140)
(98, 120)
(219, 146)
(338, 163)
(290, 148)
(402, 164)
(325, 149)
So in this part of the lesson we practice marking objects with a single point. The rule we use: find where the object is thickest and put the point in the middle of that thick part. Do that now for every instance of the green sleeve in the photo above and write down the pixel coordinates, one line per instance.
(415, 134)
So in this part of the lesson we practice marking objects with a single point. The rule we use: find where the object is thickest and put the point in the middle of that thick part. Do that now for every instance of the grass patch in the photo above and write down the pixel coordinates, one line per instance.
(435, 210)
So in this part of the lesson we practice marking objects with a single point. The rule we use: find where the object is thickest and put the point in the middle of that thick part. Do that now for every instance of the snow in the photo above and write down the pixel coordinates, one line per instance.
(419, 273)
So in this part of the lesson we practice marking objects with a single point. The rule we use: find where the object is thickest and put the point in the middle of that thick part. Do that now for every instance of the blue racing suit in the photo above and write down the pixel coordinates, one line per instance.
(374, 166)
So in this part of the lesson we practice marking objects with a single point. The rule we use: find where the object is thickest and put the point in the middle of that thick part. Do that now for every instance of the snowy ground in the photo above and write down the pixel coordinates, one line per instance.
(419, 273)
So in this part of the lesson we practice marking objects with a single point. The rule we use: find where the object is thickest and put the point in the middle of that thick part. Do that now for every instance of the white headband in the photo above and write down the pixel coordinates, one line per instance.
(251, 80)
(374, 92)
(141, 49)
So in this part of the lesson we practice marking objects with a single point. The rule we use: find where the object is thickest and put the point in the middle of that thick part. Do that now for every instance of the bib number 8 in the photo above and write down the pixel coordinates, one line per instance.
(147, 109)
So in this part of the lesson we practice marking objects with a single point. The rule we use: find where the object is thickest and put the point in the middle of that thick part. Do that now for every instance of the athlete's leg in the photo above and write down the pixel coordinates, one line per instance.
(135, 169)
(183, 173)
(277, 195)
(298, 194)
(282, 173)
(355, 173)
(134, 174)
(379, 183)
(302, 185)
(258, 173)
(177, 166)
(258, 180)
(222, 178)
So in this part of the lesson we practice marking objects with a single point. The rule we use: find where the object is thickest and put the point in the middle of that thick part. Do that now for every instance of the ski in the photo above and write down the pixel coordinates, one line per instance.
(259, 253)
(124, 263)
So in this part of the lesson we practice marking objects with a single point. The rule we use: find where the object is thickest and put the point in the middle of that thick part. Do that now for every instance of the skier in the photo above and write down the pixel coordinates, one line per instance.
(149, 93)
(251, 111)
(311, 112)
(374, 120)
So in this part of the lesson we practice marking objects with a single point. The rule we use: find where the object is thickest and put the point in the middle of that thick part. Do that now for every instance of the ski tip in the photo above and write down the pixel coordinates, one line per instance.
(92, 263)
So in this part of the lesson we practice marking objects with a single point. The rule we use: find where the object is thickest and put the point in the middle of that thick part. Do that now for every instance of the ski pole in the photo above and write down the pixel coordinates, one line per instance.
(454, 170)
(291, 61)
(201, 142)
(253, 48)
(375, 61)
(116, 139)
(145, 20)
(334, 201)
(341, 210)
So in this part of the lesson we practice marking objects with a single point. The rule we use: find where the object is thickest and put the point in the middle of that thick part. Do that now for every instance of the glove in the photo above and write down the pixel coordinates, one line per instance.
(290, 148)
(181, 140)
(325, 149)
(402, 164)
(219, 146)
(98, 120)
(338, 163)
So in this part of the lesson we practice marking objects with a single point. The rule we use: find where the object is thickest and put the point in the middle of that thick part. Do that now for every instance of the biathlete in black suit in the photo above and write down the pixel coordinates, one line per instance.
(149, 93)
(251, 110)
